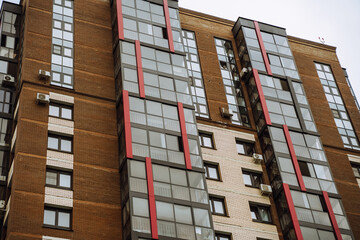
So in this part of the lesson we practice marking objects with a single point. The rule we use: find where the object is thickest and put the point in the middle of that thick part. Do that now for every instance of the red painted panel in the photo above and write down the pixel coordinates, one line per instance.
(152, 205)
(332, 216)
(139, 69)
(294, 158)
(127, 124)
(184, 136)
(120, 20)
(291, 206)
(262, 48)
(168, 26)
(262, 97)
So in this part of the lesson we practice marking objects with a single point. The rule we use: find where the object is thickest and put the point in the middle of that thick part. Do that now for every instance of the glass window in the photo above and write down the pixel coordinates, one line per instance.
(356, 170)
(252, 179)
(217, 205)
(260, 213)
(211, 171)
(61, 111)
(206, 140)
(222, 236)
(60, 143)
(60, 179)
(59, 218)
(245, 148)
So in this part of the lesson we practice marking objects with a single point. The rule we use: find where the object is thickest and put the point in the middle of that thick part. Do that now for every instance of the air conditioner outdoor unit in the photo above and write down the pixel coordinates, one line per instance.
(44, 75)
(257, 158)
(8, 81)
(226, 113)
(42, 98)
(2, 204)
(265, 190)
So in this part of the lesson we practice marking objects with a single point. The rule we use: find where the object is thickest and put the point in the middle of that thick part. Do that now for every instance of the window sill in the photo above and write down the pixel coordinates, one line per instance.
(220, 215)
(57, 187)
(58, 228)
(212, 148)
(214, 179)
(59, 151)
(251, 186)
(258, 221)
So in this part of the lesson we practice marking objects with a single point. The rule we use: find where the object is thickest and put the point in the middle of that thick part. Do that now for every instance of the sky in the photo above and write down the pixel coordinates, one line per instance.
(337, 21)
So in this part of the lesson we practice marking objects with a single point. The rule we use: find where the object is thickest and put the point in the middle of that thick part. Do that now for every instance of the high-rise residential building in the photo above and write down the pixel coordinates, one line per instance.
(136, 119)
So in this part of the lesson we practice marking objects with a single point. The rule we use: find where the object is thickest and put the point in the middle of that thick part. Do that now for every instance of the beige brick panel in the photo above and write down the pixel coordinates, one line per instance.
(60, 129)
(59, 159)
(59, 192)
(61, 122)
(58, 201)
(61, 98)
(232, 187)
(53, 238)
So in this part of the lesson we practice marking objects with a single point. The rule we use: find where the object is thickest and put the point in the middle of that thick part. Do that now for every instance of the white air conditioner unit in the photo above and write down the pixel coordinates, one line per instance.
(265, 190)
(257, 158)
(8, 81)
(42, 98)
(2, 204)
(226, 113)
(44, 75)
(3, 178)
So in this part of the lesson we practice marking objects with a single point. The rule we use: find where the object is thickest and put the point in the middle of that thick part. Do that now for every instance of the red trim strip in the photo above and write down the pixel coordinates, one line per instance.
(294, 158)
(262, 48)
(127, 125)
(184, 136)
(262, 97)
(152, 204)
(168, 26)
(139, 69)
(291, 206)
(120, 20)
(332, 216)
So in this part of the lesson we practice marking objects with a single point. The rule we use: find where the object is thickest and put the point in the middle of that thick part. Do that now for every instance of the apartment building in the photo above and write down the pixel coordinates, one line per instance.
(134, 119)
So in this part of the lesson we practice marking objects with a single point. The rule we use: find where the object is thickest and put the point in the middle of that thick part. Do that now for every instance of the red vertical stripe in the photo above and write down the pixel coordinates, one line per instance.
(152, 205)
(127, 125)
(262, 97)
(262, 48)
(294, 158)
(120, 20)
(184, 136)
(139, 69)
(168, 26)
(291, 206)
(332, 216)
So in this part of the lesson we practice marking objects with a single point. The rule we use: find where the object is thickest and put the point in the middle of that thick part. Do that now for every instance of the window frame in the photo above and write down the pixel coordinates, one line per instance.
(251, 174)
(258, 206)
(357, 167)
(212, 165)
(219, 235)
(58, 173)
(208, 135)
(60, 137)
(220, 199)
(57, 211)
(245, 143)
(61, 106)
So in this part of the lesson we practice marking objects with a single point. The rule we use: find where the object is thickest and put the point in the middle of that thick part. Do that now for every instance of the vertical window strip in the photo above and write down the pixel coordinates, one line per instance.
(184, 136)
(168, 26)
(120, 20)
(262, 48)
(152, 205)
(332, 216)
(127, 125)
(139, 69)
(195, 74)
(62, 44)
(232, 84)
(337, 106)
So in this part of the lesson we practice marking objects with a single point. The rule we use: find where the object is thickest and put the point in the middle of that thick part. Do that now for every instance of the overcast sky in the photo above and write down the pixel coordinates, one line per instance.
(337, 21)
